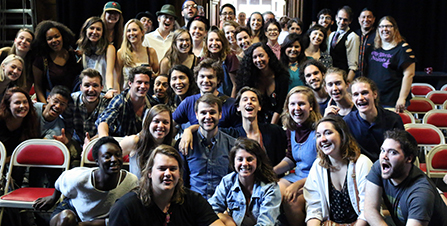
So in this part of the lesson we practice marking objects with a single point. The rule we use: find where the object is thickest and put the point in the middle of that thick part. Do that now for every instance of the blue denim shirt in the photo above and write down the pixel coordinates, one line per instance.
(264, 202)
(206, 165)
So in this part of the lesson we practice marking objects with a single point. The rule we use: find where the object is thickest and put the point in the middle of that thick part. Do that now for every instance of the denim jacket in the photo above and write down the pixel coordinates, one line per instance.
(264, 202)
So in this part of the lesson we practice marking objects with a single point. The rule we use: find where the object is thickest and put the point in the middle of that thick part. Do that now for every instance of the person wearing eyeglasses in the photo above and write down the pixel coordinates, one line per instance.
(227, 12)
(189, 10)
(391, 65)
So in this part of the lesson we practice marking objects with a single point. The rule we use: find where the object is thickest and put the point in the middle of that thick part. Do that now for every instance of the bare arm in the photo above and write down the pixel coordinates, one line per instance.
(226, 219)
(217, 223)
(413, 222)
(129, 144)
(351, 76)
(103, 129)
(372, 204)
(119, 71)
(45, 203)
(164, 66)
(38, 76)
(154, 61)
(110, 59)
(186, 140)
(313, 222)
(281, 168)
(233, 81)
(275, 117)
(406, 87)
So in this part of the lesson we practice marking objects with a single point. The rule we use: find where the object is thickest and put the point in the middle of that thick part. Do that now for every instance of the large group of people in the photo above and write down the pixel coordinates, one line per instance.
(253, 121)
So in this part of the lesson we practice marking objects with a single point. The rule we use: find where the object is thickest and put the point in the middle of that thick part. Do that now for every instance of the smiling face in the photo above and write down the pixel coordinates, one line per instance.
(55, 107)
(249, 105)
(91, 89)
(23, 41)
(214, 43)
(295, 28)
(140, 86)
(94, 32)
(272, 32)
(366, 20)
(328, 139)
(179, 82)
(189, 10)
(160, 126)
(363, 97)
(229, 34)
(386, 31)
(166, 22)
(325, 20)
(134, 33)
(313, 77)
(336, 87)
(208, 117)
(256, 22)
(165, 174)
(293, 51)
(110, 158)
(197, 30)
(161, 87)
(243, 40)
(207, 80)
(299, 108)
(392, 160)
(342, 20)
(18, 105)
(245, 164)
(227, 14)
(260, 58)
(112, 17)
(183, 43)
(147, 23)
(316, 37)
(13, 69)
(54, 39)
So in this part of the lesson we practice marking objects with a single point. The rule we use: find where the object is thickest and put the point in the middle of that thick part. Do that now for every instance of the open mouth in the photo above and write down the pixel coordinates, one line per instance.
(362, 104)
(249, 109)
(386, 167)
(245, 170)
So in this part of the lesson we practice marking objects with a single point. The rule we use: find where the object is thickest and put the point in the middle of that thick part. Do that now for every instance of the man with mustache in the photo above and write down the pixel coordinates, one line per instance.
(312, 75)
(367, 34)
(409, 195)
(189, 10)
(86, 107)
(208, 161)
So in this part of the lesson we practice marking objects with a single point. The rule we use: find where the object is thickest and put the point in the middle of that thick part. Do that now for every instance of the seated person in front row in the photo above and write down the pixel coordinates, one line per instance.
(87, 105)
(90, 192)
(370, 121)
(161, 198)
(124, 115)
(208, 161)
(209, 76)
(250, 195)
(409, 195)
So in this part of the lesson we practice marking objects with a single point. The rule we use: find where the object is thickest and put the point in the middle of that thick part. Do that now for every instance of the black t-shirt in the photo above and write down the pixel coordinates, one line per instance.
(129, 210)
(10, 139)
(415, 198)
(385, 68)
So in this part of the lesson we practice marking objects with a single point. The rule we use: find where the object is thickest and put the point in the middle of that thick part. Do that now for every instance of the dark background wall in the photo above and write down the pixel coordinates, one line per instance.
(421, 22)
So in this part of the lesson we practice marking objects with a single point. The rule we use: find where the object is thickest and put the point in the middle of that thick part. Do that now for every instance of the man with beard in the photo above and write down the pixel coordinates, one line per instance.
(324, 18)
(161, 87)
(189, 10)
(209, 76)
(312, 75)
(86, 107)
(90, 192)
(125, 112)
(161, 38)
(146, 19)
(344, 43)
(207, 162)
(409, 195)
(367, 34)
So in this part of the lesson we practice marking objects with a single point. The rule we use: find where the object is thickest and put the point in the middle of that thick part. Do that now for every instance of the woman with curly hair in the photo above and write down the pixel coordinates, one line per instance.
(301, 112)
(256, 24)
(55, 63)
(335, 188)
(161, 198)
(22, 48)
(314, 43)
(272, 29)
(261, 69)
(218, 48)
(96, 51)
(113, 21)
(132, 53)
(292, 55)
(250, 194)
(157, 129)
(179, 53)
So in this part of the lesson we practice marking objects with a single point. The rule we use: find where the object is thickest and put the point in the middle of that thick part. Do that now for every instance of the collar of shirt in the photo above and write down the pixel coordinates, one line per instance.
(146, 99)
(204, 141)
(342, 32)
